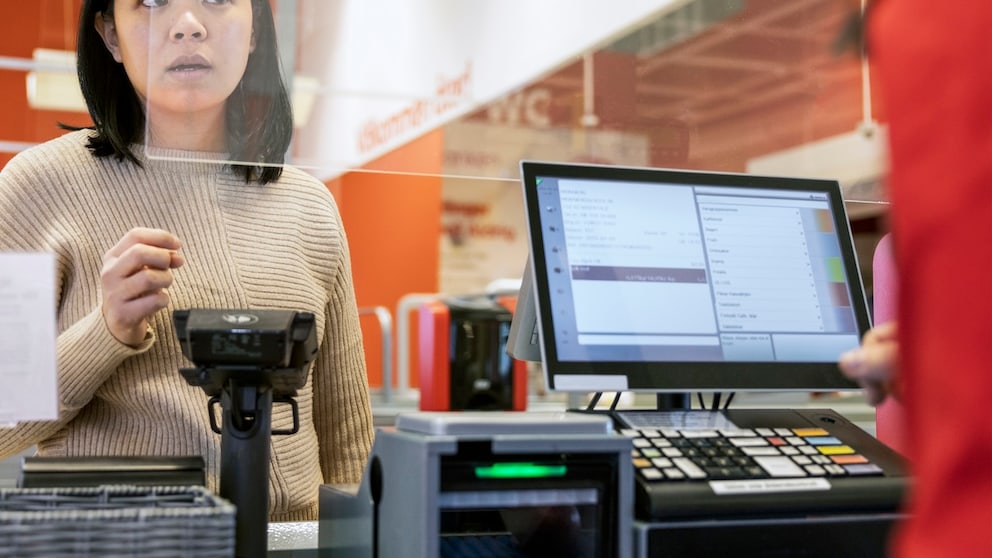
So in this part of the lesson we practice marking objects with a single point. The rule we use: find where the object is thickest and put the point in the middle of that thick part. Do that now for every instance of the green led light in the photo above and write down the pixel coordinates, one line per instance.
(520, 471)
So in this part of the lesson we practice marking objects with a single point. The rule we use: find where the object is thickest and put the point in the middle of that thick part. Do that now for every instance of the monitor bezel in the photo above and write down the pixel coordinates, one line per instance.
(681, 376)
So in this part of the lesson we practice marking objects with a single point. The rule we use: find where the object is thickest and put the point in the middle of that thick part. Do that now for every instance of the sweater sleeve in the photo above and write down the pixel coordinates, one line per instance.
(342, 410)
(86, 352)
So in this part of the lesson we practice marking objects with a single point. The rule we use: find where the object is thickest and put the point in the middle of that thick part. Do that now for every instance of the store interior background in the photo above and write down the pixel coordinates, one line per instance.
(432, 205)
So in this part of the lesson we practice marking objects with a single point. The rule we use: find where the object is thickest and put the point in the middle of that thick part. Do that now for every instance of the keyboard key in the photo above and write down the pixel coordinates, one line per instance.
(835, 470)
(711, 452)
(690, 469)
(662, 462)
(671, 452)
(855, 459)
(779, 466)
(741, 433)
(674, 474)
(761, 450)
(724, 473)
(806, 432)
(640, 463)
(835, 450)
(754, 472)
(742, 461)
(651, 474)
(748, 442)
(789, 450)
(863, 469)
(815, 470)
(823, 441)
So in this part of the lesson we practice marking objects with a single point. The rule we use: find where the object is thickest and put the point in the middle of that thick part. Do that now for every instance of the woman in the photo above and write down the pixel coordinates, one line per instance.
(145, 217)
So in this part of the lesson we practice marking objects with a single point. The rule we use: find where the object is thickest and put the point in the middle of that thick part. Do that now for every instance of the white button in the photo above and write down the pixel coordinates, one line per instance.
(651, 474)
(779, 466)
(761, 450)
(662, 462)
(743, 442)
(689, 468)
(674, 474)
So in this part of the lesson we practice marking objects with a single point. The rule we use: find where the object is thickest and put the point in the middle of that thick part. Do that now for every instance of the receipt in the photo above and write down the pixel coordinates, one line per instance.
(27, 338)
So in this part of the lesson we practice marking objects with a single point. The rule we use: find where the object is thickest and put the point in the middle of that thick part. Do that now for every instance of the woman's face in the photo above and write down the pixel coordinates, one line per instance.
(182, 56)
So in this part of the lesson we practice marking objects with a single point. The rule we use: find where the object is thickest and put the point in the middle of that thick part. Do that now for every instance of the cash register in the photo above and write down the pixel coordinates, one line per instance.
(675, 282)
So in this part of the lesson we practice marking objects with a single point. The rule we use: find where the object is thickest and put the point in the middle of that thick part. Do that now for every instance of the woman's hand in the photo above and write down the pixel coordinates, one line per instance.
(875, 364)
(136, 273)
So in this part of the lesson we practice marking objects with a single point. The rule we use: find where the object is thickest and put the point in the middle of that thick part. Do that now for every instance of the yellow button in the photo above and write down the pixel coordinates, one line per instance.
(835, 450)
(641, 463)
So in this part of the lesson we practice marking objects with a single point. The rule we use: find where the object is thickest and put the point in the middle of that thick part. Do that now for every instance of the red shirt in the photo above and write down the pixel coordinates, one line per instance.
(933, 62)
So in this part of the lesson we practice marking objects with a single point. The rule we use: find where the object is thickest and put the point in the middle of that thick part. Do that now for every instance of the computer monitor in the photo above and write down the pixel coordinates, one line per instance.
(679, 281)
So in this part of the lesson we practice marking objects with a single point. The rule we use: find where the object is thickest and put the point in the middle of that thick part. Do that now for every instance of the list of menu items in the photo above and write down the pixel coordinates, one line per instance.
(27, 338)
(761, 267)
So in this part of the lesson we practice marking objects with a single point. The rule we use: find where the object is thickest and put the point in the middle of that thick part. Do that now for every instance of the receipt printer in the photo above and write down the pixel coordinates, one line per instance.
(468, 484)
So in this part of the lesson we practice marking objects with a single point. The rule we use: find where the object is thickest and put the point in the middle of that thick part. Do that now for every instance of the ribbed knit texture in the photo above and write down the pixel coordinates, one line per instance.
(280, 245)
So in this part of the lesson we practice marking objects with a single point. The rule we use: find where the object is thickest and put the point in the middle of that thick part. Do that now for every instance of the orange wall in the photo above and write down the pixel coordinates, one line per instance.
(44, 24)
(393, 221)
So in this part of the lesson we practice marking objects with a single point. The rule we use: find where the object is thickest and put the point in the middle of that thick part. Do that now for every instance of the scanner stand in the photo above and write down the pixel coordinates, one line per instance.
(260, 358)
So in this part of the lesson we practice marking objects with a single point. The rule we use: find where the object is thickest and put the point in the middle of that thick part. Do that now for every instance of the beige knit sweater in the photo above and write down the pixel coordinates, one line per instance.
(281, 245)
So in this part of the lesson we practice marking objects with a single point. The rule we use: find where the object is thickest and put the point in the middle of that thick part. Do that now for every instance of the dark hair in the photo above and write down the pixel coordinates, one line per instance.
(259, 115)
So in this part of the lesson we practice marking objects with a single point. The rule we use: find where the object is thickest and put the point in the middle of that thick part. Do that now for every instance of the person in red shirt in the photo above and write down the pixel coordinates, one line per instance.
(933, 63)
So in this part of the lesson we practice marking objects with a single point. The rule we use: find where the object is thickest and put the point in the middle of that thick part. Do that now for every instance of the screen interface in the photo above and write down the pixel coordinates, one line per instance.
(647, 271)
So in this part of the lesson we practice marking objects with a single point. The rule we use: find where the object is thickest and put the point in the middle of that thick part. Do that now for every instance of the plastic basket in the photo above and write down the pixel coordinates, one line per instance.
(115, 521)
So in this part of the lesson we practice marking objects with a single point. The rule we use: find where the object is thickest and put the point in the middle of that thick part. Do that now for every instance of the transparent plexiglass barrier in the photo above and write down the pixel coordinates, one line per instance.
(459, 91)
(759, 86)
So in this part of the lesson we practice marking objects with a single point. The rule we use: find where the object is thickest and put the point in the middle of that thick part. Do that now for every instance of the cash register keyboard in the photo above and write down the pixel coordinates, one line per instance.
(669, 454)
(757, 462)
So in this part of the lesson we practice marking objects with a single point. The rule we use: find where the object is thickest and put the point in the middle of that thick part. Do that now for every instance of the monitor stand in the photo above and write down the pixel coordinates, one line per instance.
(666, 401)
(674, 401)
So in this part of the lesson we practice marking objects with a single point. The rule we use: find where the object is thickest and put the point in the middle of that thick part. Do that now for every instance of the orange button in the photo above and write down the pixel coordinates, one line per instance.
(641, 463)
(849, 459)
(810, 432)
